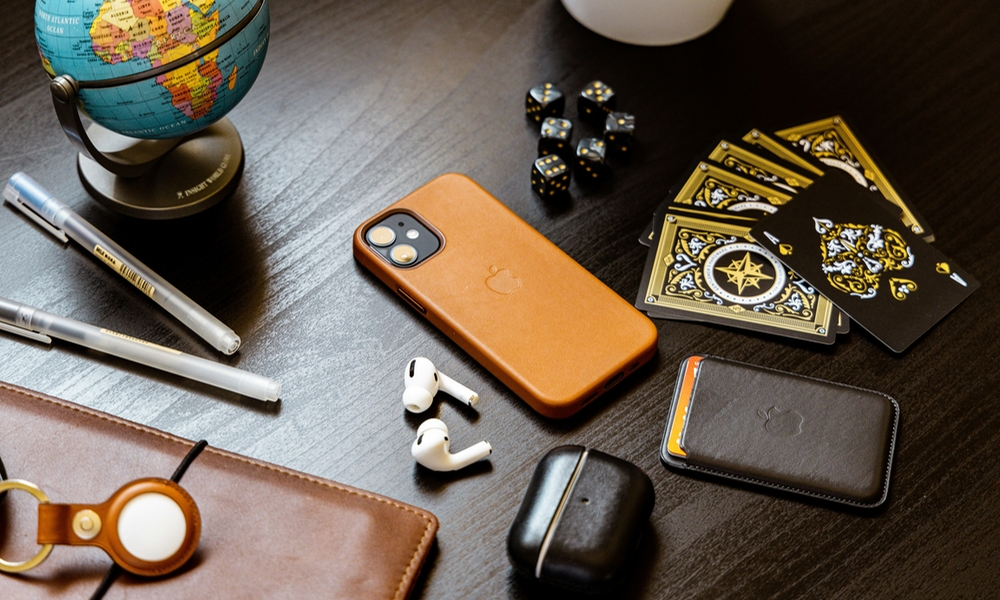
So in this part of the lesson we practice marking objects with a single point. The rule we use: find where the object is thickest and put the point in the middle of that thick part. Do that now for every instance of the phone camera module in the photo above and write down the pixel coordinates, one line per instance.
(381, 236)
(402, 240)
(403, 254)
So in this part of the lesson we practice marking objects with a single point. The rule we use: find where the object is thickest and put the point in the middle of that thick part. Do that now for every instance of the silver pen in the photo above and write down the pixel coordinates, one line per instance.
(58, 219)
(38, 325)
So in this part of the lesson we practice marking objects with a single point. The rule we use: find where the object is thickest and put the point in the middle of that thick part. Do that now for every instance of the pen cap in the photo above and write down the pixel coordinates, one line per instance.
(242, 382)
(28, 190)
(257, 386)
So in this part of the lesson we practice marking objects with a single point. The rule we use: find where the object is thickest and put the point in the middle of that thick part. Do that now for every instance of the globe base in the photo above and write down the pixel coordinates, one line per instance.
(201, 170)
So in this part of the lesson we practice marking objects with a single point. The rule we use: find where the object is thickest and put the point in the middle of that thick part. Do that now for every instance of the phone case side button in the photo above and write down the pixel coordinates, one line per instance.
(409, 300)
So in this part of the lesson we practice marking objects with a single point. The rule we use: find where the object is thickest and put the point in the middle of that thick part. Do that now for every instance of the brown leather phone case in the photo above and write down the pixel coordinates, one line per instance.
(267, 532)
(548, 329)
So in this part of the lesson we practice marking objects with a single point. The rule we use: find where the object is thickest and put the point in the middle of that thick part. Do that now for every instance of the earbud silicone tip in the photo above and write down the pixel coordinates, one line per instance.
(432, 424)
(416, 399)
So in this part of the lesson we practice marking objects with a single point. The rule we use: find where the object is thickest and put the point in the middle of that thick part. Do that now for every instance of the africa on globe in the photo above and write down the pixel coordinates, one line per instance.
(100, 42)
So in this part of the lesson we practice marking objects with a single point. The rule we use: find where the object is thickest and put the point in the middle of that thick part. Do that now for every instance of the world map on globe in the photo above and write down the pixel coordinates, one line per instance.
(93, 40)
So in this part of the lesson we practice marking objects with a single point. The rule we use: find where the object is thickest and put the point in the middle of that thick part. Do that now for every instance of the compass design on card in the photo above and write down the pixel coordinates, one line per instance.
(730, 272)
(713, 271)
(744, 273)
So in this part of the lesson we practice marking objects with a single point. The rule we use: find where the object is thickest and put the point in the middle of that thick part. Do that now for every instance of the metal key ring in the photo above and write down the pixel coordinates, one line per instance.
(34, 490)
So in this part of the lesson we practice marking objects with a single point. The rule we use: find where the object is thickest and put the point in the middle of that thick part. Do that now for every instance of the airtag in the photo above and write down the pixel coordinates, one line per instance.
(152, 527)
(149, 527)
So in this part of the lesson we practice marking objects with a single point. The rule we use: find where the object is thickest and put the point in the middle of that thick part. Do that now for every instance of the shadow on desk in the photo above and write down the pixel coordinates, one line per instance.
(214, 257)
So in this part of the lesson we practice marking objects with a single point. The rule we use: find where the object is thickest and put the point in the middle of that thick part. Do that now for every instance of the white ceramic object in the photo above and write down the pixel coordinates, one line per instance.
(649, 22)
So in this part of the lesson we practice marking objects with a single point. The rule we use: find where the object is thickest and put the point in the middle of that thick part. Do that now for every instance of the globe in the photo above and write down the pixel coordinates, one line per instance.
(95, 41)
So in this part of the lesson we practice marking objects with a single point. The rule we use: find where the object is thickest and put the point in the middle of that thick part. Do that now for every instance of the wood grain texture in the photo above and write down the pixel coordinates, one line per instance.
(359, 103)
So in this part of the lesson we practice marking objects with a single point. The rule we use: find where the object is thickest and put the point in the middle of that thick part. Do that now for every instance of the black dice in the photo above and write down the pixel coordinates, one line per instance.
(619, 128)
(590, 159)
(595, 101)
(555, 137)
(544, 101)
(550, 176)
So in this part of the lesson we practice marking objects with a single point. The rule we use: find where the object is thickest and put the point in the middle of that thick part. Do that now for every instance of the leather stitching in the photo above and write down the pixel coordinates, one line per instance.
(427, 528)
(410, 573)
(407, 575)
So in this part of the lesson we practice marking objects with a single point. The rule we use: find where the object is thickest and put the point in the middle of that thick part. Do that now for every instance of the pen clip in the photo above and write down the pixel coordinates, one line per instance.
(10, 195)
(31, 335)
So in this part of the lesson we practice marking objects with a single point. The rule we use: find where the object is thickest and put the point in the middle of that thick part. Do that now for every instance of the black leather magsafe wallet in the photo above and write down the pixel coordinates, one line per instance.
(781, 430)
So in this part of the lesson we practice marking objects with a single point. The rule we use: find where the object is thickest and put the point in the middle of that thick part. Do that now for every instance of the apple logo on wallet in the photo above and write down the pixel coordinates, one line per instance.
(782, 423)
(501, 281)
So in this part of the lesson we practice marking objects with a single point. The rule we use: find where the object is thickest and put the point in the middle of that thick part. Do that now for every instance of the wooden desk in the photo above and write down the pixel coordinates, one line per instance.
(359, 103)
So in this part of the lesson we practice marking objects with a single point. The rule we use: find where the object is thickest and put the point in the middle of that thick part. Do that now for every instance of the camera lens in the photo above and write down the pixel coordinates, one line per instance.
(403, 254)
(381, 236)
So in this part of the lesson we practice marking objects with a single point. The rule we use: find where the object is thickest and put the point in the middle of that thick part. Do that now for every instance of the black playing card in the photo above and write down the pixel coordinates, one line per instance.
(750, 164)
(646, 237)
(885, 277)
(746, 217)
(733, 180)
(766, 146)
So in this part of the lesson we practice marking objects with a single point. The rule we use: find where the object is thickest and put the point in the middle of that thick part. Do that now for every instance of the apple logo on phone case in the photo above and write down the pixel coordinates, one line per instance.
(782, 423)
(502, 281)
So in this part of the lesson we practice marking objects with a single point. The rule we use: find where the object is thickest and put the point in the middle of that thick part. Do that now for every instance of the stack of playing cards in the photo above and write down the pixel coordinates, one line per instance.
(795, 233)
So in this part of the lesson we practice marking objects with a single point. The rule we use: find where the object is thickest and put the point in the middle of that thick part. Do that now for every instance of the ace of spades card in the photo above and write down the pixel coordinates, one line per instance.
(854, 251)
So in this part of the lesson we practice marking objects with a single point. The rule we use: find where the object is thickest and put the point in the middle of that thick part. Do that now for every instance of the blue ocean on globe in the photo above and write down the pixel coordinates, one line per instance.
(93, 40)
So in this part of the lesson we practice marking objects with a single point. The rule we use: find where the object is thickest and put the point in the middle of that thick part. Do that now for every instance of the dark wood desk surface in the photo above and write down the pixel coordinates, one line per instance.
(359, 103)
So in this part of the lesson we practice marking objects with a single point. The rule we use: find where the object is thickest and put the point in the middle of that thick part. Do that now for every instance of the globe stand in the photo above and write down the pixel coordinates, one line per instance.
(197, 173)
(151, 179)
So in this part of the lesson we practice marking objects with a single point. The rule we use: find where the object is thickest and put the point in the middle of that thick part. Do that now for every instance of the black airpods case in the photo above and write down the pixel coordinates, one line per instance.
(581, 517)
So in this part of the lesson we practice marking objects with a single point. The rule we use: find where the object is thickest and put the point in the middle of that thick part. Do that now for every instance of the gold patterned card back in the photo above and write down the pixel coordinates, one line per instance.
(713, 187)
(832, 142)
(710, 271)
(757, 167)
(758, 138)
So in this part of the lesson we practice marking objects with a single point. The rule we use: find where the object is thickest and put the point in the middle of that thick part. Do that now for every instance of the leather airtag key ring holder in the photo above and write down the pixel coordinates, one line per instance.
(149, 526)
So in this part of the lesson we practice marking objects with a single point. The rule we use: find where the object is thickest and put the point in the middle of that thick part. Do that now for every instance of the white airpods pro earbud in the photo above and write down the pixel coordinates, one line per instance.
(423, 381)
(432, 448)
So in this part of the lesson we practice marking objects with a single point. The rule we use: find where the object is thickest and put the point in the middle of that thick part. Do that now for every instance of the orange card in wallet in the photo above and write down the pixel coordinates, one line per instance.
(267, 531)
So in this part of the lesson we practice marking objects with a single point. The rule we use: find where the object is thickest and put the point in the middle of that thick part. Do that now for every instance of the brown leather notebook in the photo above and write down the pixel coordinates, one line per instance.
(267, 531)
